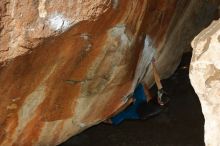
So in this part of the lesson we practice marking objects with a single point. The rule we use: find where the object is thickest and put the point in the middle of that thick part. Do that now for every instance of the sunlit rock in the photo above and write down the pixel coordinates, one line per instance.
(205, 78)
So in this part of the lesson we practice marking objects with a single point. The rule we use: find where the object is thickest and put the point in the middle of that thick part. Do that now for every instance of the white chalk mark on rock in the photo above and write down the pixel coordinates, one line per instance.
(119, 32)
(59, 22)
(85, 36)
(41, 9)
(115, 4)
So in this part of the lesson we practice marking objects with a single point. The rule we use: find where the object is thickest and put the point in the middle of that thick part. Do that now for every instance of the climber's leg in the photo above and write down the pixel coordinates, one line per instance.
(163, 98)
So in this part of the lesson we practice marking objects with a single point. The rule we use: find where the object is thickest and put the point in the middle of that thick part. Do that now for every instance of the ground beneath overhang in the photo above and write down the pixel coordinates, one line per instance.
(180, 125)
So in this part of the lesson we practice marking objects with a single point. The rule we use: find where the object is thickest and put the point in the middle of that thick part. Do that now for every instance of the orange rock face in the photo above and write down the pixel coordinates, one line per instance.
(65, 66)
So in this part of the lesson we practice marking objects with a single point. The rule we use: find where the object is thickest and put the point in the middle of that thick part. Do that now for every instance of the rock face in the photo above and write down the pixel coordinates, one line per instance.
(68, 65)
(205, 78)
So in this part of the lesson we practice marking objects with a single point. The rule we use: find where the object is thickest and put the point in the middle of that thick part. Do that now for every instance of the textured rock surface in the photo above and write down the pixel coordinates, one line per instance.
(186, 20)
(205, 78)
(67, 65)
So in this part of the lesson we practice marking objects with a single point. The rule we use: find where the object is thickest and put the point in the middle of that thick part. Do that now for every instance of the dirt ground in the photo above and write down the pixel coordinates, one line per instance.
(179, 125)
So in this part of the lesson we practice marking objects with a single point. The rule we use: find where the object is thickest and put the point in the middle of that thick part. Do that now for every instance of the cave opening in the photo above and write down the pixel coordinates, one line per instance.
(181, 124)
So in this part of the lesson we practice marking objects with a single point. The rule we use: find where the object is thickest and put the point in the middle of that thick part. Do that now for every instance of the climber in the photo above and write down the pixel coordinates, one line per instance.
(141, 106)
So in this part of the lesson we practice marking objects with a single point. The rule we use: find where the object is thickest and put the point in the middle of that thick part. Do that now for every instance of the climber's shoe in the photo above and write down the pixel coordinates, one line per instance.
(162, 97)
(149, 109)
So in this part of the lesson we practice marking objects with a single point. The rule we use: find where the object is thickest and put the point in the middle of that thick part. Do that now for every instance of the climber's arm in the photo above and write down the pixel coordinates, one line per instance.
(130, 101)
